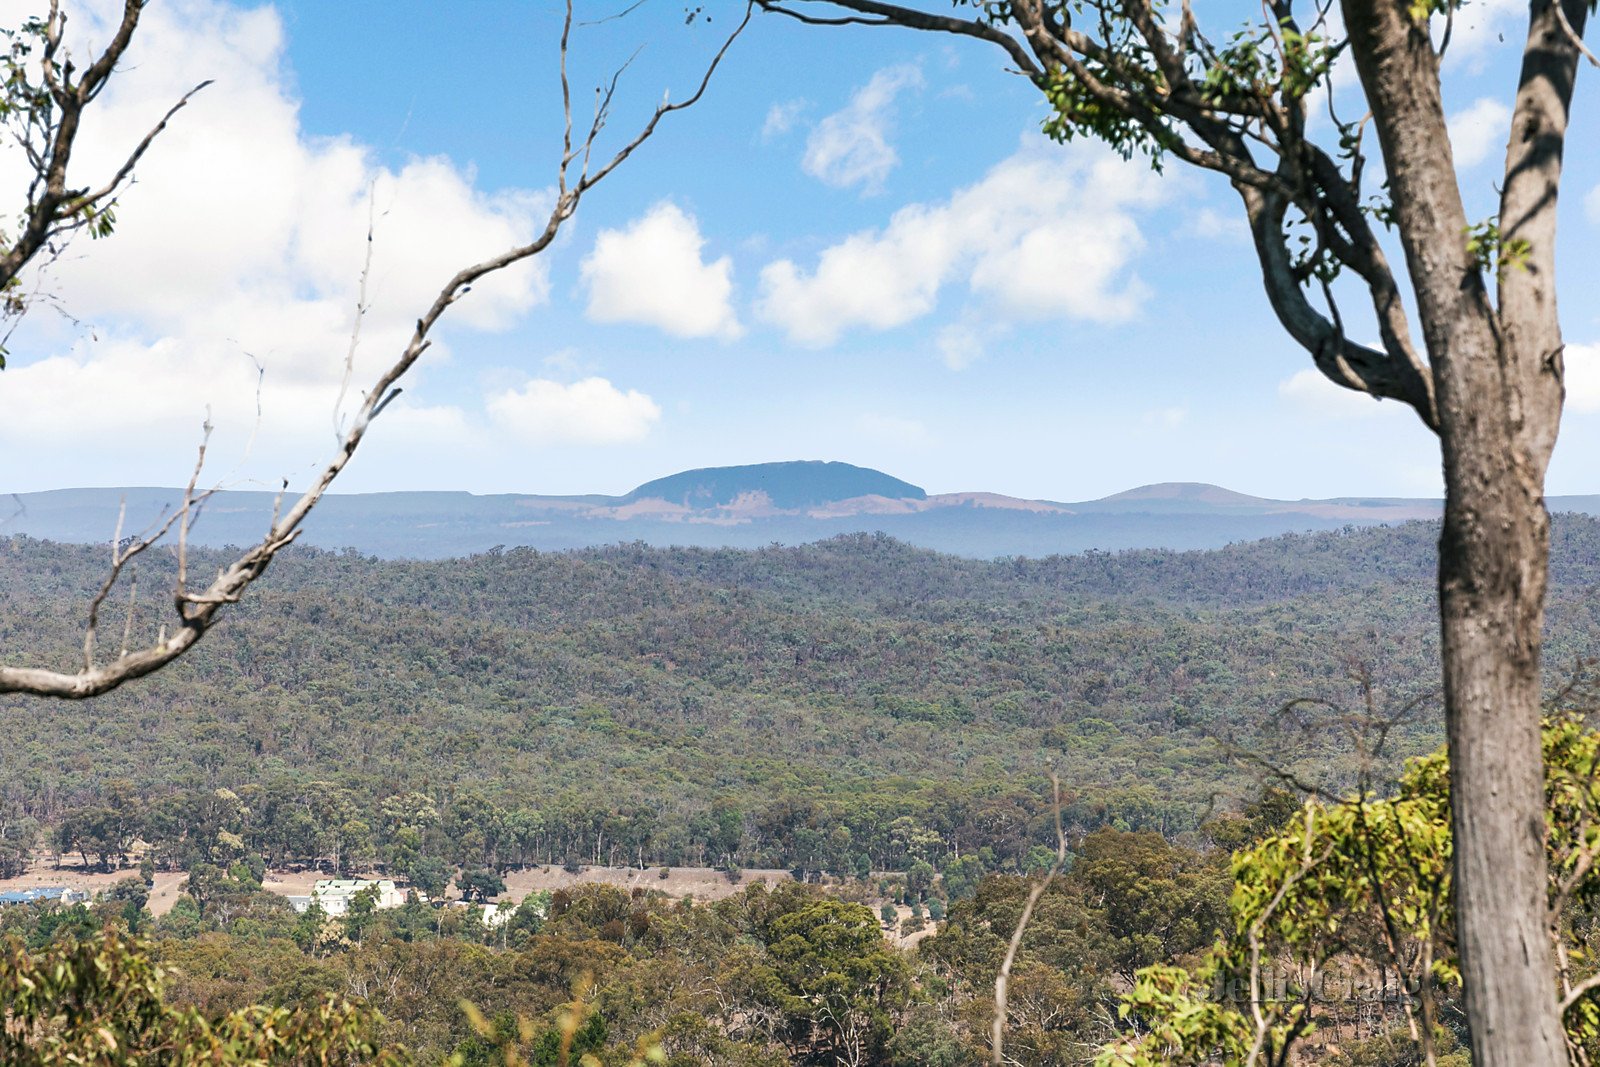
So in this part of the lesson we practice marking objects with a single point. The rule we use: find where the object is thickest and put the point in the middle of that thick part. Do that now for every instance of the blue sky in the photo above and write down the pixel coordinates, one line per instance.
(857, 247)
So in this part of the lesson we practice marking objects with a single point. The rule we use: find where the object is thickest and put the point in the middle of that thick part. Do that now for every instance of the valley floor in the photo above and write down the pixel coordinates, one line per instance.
(693, 883)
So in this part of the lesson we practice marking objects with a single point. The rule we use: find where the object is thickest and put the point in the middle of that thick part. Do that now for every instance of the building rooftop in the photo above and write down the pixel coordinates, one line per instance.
(42, 892)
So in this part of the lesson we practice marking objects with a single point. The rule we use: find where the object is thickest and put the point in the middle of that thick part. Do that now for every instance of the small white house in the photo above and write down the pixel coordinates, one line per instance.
(44, 894)
(497, 915)
(334, 894)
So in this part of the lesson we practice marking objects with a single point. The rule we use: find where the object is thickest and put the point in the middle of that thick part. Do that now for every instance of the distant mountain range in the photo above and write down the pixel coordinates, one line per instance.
(747, 506)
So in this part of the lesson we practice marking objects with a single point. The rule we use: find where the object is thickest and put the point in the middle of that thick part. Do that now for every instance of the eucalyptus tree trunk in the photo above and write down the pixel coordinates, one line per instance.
(1497, 376)
(1142, 76)
(1492, 559)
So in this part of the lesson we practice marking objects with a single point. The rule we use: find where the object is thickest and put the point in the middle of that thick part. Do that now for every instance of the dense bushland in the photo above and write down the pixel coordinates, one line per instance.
(846, 706)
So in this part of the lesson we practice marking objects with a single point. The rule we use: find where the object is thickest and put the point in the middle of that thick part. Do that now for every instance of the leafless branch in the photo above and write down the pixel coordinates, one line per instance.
(1002, 981)
(133, 603)
(1579, 991)
(1363, 728)
(615, 15)
(361, 314)
(895, 15)
(198, 611)
(126, 170)
(1573, 36)
(122, 553)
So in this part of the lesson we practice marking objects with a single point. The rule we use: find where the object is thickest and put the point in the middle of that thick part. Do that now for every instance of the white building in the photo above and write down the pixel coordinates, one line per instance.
(44, 894)
(334, 894)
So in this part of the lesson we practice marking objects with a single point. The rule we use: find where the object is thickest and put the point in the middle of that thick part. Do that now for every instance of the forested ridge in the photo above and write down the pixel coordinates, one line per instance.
(815, 707)
(881, 719)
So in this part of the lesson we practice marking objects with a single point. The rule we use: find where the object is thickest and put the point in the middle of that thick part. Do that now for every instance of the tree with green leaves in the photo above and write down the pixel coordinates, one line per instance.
(101, 1002)
(480, 885)
(1467, 334)
(919, 881)
(18, 832)
(836, 978)
(1350, 894)
(125, 902)
(429, 874)
(361, 912)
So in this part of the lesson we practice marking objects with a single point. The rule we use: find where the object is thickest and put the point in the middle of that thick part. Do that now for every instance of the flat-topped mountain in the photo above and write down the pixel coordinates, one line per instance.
(785, 486)
(742, 507)
(1183, 493)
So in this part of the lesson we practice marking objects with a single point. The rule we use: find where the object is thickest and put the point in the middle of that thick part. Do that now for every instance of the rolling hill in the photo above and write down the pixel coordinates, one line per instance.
(738, 507)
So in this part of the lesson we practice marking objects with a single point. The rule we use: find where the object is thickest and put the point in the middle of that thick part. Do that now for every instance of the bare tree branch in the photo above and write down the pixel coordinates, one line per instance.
(125, 172)
(1002, 980)
(1574, 36)
(896, 15)
(198, 611)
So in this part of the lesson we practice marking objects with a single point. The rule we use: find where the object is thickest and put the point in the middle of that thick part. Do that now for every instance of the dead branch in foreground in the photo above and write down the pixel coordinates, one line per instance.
(198, 610)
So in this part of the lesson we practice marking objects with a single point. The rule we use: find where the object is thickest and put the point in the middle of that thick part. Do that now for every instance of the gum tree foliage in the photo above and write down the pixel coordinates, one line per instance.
(1347, 895)
(480, 885)
(100, 1002)
(1468, 335)
(836, 978)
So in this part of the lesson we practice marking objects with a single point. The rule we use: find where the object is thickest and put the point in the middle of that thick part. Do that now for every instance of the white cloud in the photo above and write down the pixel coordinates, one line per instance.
(781, 118)
(589, 412)
(1478, 131)
(652, 273)
(235, 196)
(569, 363)
(1313, 394)
(1583, 378)
(242, 235)
(1048, 232)
(851, 146)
